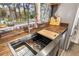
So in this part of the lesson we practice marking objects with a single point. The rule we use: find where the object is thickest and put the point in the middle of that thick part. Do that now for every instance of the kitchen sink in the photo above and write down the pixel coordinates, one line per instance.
(29, 46)
(38, 42)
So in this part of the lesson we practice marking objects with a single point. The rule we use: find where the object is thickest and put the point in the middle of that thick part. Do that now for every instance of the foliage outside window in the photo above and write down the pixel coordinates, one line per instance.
(17, 12)
(45, 12)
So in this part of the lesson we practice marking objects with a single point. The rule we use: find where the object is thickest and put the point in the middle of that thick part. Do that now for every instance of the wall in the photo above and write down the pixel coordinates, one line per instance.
(67, 12)
(75, 29)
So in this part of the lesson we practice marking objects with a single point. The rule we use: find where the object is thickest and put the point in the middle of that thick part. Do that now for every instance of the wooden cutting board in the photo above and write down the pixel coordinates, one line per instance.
(47, 33)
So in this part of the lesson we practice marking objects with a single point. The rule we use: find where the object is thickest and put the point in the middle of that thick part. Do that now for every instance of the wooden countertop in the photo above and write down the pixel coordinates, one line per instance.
(58, 29)
(4, 49)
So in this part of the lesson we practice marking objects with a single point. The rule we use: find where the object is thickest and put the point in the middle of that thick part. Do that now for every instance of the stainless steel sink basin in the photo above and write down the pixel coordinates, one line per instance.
(38, 42)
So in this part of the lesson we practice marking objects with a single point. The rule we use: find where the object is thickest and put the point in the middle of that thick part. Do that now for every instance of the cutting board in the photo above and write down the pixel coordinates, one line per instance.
(48, 34)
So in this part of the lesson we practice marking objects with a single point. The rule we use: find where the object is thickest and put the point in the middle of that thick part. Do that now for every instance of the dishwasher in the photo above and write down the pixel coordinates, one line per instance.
(29, 45)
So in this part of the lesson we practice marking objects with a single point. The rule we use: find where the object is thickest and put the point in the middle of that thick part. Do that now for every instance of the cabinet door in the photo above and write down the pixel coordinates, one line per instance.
(63, 41)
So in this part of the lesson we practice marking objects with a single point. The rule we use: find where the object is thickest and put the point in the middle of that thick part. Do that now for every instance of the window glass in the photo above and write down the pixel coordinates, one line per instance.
(45, 12)
(32, 12)
(15, 13)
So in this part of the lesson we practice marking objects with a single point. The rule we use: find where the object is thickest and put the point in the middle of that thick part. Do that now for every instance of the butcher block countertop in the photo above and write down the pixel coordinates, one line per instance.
(4, 49)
